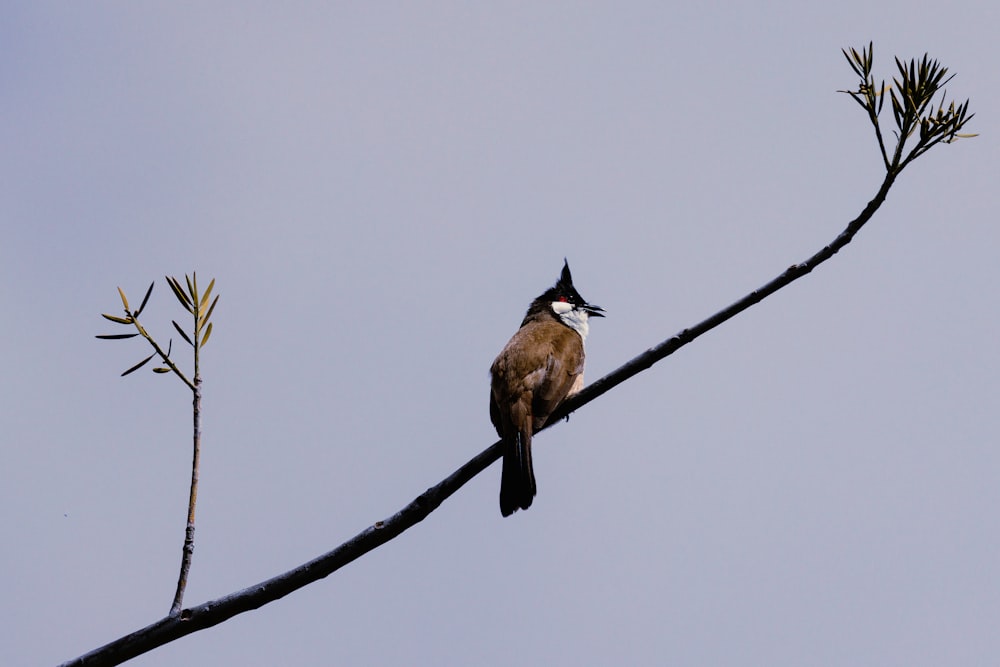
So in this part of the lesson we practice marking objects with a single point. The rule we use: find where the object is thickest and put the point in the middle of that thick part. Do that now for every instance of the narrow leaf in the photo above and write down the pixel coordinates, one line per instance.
(161, 369)
(124, 300)
(192, 290)
(175, 286)
(855, 97)
(119, 320)
(181, 332)
(139, 365)
(208, 332)
(116, 336)
(208, 291)
(145, 299)
(852, 60)
(211, 308)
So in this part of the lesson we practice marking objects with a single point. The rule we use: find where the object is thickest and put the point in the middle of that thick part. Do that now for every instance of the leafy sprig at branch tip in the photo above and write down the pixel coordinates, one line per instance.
(197, 305)
(911, 95)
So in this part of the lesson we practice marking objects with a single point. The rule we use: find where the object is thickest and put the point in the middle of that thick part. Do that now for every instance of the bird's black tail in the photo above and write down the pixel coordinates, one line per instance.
(517, 480)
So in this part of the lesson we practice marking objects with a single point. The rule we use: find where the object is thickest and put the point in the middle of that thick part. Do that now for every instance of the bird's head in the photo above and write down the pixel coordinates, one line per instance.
(566, 304)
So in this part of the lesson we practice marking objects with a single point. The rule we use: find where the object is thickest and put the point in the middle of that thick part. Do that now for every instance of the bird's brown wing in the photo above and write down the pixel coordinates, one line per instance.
(563, 367)
(517, 371)
(540, 364)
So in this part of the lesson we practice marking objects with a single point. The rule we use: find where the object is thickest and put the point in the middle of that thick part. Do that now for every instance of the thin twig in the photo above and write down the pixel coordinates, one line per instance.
(187, 551)
(197, 309)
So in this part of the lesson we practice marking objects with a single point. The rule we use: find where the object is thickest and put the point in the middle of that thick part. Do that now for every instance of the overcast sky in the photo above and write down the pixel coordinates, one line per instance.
(380, 190)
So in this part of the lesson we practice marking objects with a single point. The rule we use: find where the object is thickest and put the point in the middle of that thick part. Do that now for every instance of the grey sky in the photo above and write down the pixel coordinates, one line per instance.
(380, 191)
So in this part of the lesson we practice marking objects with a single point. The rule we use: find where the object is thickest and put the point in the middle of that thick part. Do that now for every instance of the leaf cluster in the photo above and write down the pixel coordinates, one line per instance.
(192, 300)
(195, 305)
(911, 95)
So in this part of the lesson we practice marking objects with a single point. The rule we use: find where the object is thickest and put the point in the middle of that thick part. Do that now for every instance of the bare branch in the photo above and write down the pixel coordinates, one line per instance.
(212, 613)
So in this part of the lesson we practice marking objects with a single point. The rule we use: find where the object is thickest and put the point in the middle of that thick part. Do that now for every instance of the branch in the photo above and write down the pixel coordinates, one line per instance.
(934, 129)
(212, 613)
(198, 306)
(222, 609)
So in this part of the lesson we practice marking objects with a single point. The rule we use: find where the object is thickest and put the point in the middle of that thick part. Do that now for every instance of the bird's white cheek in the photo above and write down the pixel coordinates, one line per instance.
(561, 307)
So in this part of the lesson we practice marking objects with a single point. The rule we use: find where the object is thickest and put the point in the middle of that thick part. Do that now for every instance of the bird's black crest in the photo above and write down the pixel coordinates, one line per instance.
(565, 278)
(563, 289)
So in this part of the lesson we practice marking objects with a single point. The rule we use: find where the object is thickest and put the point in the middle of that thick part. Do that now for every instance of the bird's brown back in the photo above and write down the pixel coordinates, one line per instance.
(537, 368)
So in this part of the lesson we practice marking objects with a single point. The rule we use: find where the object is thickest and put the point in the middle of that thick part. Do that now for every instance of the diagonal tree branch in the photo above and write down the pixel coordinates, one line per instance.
(917, 87)
(216, 611)
(679, 340)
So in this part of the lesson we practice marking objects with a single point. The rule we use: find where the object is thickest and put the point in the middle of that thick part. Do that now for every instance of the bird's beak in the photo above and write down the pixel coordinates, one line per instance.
(593, 311)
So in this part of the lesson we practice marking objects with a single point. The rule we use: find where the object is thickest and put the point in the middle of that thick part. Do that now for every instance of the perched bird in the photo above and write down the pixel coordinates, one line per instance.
(540, 366)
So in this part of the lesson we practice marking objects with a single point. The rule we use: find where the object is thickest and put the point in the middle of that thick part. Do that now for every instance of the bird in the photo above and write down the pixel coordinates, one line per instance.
(539, 367)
